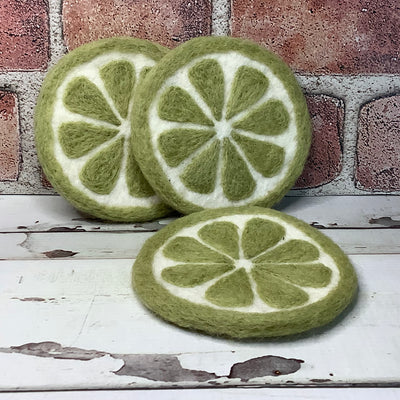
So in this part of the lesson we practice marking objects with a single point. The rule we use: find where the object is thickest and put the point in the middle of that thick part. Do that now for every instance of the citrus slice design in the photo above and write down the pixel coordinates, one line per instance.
(222, 122)
(244, 272)
(83, 133)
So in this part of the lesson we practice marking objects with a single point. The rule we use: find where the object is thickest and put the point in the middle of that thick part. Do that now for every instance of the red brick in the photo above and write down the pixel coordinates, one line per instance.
(24, 35)
(166, 22)
(378, 145)
(324, 36)
(9, 137)
(325, 159)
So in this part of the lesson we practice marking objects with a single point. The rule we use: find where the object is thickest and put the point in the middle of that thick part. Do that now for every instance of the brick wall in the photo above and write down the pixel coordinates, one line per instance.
(345, 55)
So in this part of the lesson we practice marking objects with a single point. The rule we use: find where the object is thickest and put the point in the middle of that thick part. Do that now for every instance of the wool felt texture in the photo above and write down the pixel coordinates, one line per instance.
(87, 154)
(119, 78)
(237, 181)
(178, 144)
(200, 175)
(266, 158)
(269, 119)
(243, 272)
(223, 236)
(208, 78)
(79, 138)
(83, 97)
(190, 275)
(176, 105)
(248, 87)
(221, 122)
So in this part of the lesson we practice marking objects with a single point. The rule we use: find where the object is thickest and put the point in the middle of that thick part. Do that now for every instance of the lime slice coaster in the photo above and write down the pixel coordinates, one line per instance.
(244, 272)
(222, 122)
(83, 132)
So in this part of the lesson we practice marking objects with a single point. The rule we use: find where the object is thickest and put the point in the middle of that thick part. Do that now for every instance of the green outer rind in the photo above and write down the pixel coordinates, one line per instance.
(44, 133)
(232, 323)
(176, 59)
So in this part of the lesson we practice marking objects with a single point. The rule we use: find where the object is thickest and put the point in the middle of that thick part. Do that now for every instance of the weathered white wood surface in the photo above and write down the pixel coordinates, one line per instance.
(78, 245)
(73, 324)
(225, 394)
(36, 227)
(70, 320)
(53, 213)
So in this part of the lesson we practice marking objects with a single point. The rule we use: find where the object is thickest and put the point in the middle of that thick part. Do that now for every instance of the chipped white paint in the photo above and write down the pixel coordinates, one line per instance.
(226, 394)
(112, 245)
(41, 213)
(79, 245)
(73, 323)
(25, 234)
(53, 213)
(90, 305)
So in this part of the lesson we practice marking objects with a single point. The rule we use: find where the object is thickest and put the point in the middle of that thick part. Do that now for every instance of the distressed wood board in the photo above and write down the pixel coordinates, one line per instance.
(225, 394)
(70, 320)
(74, 324)
(84, 245)
(53, 229)
(54, 214)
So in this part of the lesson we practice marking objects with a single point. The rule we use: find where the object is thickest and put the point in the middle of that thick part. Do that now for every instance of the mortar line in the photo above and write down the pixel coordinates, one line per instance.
(26, 85)
(221, 11)
(354, 91)
(57, 46)
(350, 131)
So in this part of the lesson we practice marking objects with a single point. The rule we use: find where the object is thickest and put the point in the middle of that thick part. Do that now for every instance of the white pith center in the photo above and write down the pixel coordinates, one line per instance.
(243, 263)
(223, 129)
(125, 128)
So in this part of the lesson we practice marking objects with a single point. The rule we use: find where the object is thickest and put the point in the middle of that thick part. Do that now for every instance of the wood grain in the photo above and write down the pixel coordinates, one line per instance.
(70, 320)
(54, 214)
(74, 324)
(225, 394)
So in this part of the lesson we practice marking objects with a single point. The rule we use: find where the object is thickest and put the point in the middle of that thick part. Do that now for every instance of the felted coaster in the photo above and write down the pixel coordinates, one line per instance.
(243, 272)
(82, 129)
(221, 122)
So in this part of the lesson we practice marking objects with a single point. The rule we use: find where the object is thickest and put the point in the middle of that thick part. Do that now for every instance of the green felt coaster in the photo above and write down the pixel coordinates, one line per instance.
(244, 272)
(82, 129)
(221, 122)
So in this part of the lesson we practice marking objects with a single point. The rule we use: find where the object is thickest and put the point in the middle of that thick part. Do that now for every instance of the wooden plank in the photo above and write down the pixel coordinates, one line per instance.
(76, 324)
(345, 211)
(53, 213)
(77, 245)
(211, 394)
(108, 245)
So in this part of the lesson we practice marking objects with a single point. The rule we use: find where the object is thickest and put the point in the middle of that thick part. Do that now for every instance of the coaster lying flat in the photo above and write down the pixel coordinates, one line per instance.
(243, 272)
(82, 128)
(221, 122)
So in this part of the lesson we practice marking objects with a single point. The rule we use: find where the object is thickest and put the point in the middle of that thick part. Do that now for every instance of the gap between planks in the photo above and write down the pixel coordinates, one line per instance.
(54, 214)
(116, 245)
(65, 309)
(297, 393)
